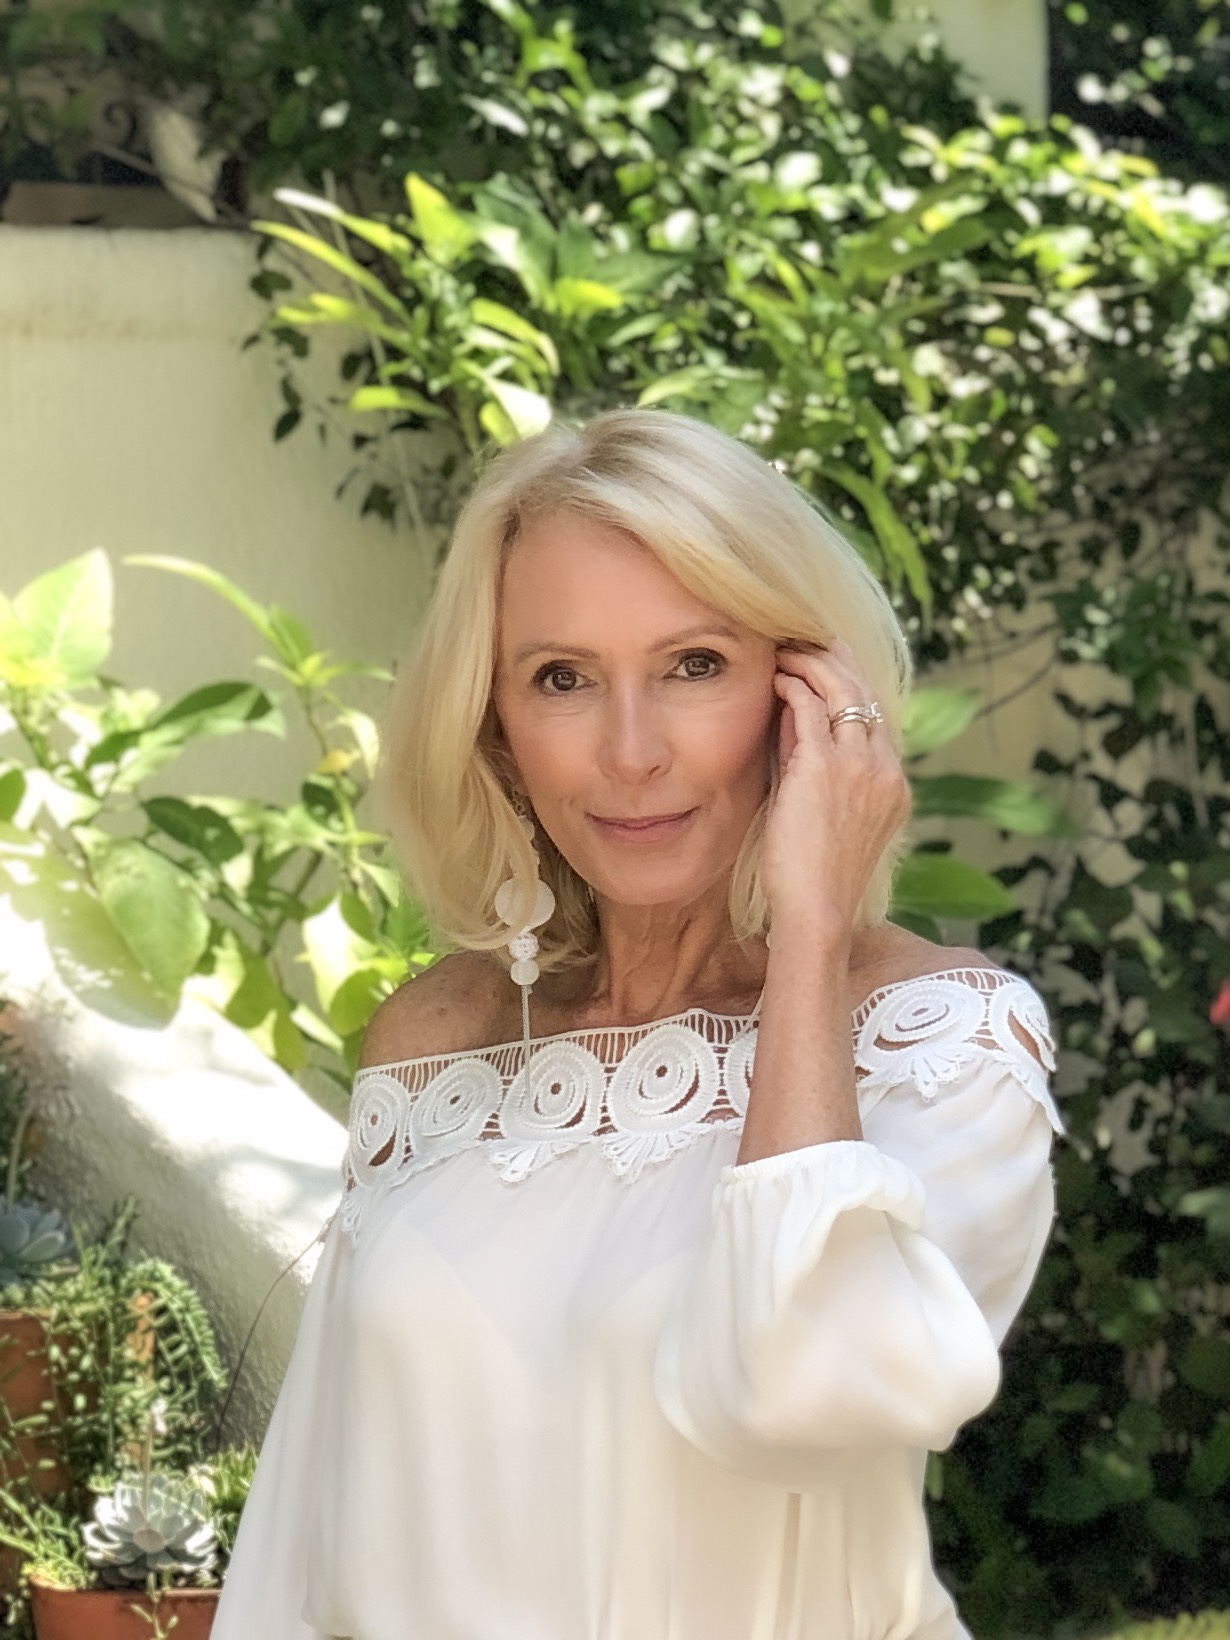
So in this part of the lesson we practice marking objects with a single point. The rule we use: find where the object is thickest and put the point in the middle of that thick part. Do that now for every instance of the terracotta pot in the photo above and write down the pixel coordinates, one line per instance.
(107, 1614)
(26, 1387)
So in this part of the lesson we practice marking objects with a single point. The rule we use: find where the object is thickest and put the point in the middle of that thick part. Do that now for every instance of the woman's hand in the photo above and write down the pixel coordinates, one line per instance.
(842, 792)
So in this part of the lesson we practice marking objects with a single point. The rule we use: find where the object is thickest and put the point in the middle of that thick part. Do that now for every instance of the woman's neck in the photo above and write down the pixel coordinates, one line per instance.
(656, 961)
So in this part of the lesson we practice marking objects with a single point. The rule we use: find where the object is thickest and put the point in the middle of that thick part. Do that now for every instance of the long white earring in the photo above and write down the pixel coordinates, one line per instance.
(523, 945)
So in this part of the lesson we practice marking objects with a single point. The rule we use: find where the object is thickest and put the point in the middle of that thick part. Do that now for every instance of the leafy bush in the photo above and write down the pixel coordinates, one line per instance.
(1148, 75)
(229, 890)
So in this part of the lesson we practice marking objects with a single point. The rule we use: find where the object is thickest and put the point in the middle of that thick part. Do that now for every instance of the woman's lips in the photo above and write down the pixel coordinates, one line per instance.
(656, 825)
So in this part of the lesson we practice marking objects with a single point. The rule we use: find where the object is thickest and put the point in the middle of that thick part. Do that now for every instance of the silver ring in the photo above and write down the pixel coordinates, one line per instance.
(871, 713)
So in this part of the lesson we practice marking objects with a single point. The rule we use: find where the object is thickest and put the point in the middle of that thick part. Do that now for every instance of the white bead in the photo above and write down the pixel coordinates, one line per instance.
(544, 905)
(507, 902)
(524, 946)
(524, 973)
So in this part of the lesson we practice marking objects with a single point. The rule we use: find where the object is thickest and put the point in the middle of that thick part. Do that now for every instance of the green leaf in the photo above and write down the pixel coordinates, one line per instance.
(356, 1000)
(292, 642)
(498, 317)
(256, 995)
(1173, 1526)
(92, 960)
(1070, 1498)
(938, 886)
(523, 412)
(1205, 1365)
(581, 298)
(446, 232)
(934, 715)
(1209, 1466)
(154, 908)
(1212, 1205)
(334, 949)
(196, 826)
(394, 398)
(693, 381)
(379, 234)
(497, 114)
(57, 630)
(339, 261)
(900, 548)
(217, 709)
(12, 790)
(327, 309)
(215, 581)
(1003, 803)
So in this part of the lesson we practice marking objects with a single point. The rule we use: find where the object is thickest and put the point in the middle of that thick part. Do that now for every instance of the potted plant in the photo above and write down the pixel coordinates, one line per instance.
(150, 1554)
(140, 1550)
(135, 1386)
(148, 1561)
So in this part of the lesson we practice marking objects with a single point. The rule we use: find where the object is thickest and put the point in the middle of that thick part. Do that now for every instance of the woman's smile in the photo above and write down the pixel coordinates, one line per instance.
(647, 828)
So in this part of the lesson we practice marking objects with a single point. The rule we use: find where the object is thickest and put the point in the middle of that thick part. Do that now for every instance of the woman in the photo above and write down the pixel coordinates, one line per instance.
(642, 1328)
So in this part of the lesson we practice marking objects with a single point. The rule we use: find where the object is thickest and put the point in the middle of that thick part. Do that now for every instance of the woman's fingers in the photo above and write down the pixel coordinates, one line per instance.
(835, 681)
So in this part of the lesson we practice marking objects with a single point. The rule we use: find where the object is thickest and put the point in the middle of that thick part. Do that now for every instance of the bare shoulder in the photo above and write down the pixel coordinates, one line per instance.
(893, 954)
(903, 955)
(449, 1007)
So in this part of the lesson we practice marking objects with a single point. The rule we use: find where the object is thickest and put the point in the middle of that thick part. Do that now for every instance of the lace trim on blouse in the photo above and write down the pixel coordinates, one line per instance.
(643, 1092)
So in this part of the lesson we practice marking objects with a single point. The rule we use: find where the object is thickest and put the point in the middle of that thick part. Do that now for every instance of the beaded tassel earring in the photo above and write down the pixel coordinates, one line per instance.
(523, 945)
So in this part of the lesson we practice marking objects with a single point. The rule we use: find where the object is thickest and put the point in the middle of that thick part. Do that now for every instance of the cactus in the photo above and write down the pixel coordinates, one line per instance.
(152, 1524)
(31, 1237)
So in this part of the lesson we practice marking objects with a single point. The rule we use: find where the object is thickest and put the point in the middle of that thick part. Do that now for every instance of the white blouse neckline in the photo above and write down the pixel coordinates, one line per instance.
(641, 1093)
(857, 1015)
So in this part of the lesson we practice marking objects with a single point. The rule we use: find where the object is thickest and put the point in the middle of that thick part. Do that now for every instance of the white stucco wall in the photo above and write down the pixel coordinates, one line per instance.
(1002, 44)
(131, 419)
(234, 1167)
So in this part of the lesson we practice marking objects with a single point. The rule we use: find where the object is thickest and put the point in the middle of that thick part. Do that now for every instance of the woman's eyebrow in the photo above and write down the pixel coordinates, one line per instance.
(527, 651)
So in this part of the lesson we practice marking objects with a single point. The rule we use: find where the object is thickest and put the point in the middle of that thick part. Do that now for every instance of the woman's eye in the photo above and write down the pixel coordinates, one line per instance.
(701, 663)
(556, 672)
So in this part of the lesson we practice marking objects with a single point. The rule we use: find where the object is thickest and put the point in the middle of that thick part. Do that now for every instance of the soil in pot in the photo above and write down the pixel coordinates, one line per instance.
(108, 1614)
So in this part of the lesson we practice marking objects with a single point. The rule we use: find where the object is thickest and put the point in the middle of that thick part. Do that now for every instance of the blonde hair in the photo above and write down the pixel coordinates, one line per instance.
(730, 527)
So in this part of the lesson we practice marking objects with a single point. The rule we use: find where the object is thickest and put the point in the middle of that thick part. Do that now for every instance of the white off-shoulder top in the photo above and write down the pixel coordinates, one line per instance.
(567, 1372)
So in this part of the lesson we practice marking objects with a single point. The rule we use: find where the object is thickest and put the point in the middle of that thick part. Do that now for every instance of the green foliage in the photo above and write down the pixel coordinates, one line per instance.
(158, 889)
(1149, 75)
(943, 334)
(1206, 1625)
(1097, 1485)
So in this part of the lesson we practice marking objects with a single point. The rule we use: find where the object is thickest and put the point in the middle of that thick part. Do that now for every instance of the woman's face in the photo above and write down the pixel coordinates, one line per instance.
(624, 697)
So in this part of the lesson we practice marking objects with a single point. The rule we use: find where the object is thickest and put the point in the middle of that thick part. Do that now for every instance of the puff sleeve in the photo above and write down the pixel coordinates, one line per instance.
(853, 1295)
(266, 1585)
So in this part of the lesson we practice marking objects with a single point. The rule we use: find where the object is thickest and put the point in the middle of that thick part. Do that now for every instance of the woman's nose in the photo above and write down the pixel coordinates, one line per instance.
(634, 745)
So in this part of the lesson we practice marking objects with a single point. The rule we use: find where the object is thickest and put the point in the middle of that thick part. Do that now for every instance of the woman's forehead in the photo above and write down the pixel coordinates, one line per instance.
(589, 576)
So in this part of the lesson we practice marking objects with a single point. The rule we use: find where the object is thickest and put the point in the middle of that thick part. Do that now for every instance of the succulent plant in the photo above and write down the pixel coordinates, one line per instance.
(154, 1523)
(31, 1237)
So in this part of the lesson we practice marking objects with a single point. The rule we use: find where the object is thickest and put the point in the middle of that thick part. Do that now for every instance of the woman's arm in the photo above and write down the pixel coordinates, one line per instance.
(803, 1082)
(852, 1295)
